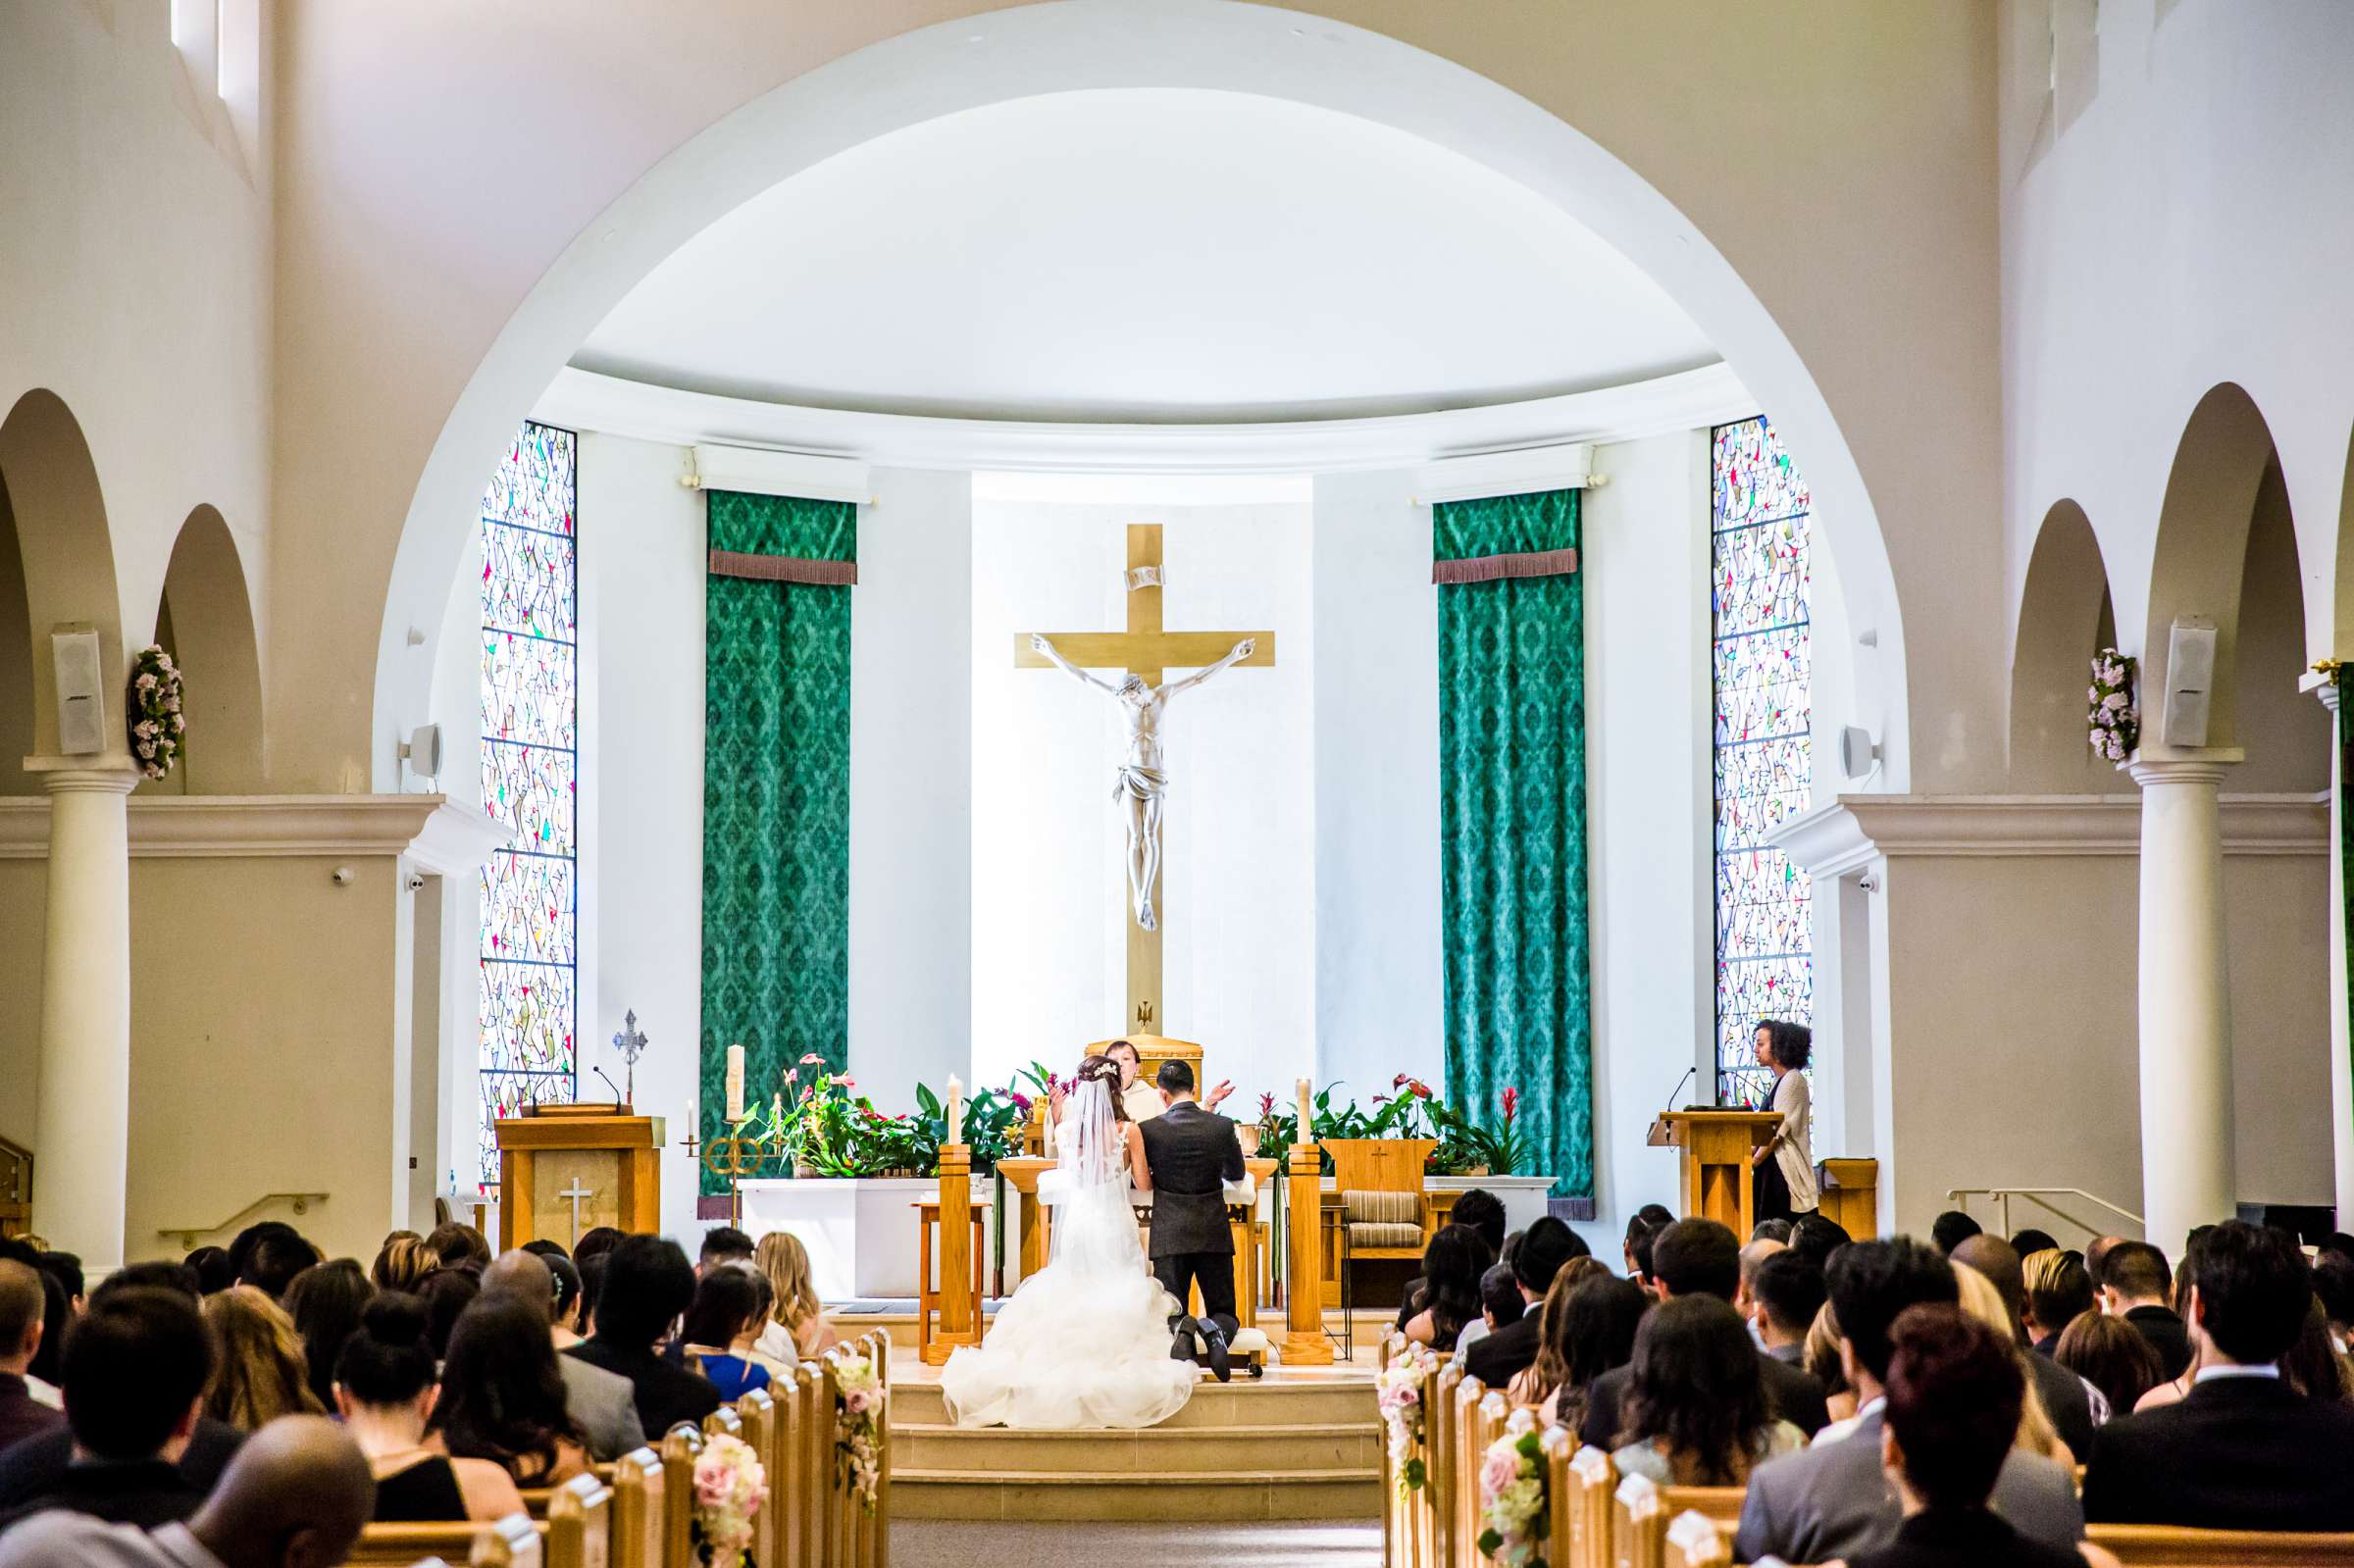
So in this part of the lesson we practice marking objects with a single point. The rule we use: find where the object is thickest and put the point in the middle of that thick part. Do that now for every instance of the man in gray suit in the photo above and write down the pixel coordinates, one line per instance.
(602, 1405)
(1192, 1153)
(1833, 1499)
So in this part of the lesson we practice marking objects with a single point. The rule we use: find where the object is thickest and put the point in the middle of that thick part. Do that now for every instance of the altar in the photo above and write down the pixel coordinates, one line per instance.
(859, 1230)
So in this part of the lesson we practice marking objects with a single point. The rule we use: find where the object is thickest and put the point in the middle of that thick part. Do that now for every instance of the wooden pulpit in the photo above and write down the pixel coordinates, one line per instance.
(1717, 1147)
(564, 1170)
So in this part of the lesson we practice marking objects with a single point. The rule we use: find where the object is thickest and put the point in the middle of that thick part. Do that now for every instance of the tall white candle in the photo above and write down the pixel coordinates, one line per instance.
(734, 1083)
(955, 1110)
(1306, 1113)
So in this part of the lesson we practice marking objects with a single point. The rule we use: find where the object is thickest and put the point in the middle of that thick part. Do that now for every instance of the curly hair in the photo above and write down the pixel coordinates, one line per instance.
(1695, 1389)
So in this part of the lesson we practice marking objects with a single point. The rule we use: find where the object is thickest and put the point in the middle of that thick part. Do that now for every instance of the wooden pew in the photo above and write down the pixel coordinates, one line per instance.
(807, 1468)
(756, 1417)
(1580, 1482)
(1445, 1469)
(1695, 1542)
(638, 1518)
(579, 1522)
(2170, 1546)
(1463, 1503)
(681, 1445)
(513, 1542)
(510, 1542)
(1638, 1525)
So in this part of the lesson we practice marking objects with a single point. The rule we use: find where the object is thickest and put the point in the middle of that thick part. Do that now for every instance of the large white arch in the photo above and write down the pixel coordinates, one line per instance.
(1095, 45)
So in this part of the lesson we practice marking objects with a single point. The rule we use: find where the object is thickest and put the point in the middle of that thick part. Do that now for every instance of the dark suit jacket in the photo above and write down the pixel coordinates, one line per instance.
(2237, 1454)
(142, 1492)
(1796, 1397)
(1963, 1538)
(1192, 1155)
(2066, 1403)
(666, 1395)
(22, 1416)
(34, 1467)
(2165, 1331)
(1495, 1357)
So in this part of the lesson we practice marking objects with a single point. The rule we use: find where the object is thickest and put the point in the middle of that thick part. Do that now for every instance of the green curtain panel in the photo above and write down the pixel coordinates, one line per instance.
(1513, 829)
(776, 801)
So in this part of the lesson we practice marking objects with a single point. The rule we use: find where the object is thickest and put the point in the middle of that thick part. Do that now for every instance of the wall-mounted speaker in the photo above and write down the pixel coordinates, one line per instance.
(422, 749)
(2189, 681)
(1858, 753)
(80, 692)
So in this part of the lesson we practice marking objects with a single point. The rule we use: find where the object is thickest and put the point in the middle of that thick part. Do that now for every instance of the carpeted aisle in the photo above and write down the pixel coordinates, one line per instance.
(963, 1543)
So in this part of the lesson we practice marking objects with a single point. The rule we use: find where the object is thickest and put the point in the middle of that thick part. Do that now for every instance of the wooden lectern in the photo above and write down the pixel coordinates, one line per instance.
(1717, 1147)
(564, 1170)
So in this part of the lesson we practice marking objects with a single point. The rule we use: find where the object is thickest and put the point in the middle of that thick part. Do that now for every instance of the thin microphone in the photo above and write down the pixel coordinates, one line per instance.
(1690, 1073)
(609, 1083)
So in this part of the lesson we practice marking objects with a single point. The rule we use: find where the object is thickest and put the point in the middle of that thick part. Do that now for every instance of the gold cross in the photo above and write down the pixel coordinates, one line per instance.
(1147, 652)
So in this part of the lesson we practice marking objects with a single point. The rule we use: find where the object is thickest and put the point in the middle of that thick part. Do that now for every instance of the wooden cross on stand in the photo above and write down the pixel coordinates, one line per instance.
(576, 1192)
(1147, 652)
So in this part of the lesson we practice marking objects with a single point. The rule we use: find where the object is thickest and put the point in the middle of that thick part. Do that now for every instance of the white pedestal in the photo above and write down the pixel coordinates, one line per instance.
(860, 1233)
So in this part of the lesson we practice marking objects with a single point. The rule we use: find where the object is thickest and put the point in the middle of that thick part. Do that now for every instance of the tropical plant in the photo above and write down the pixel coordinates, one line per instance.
(1465, 1145)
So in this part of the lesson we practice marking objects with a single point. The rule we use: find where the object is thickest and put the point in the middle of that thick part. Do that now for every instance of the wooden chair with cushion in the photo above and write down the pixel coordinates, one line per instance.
(2170, 1546)
(1385, 1210)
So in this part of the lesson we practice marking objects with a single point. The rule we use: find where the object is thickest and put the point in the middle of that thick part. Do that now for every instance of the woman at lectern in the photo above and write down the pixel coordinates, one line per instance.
(1783, 1167)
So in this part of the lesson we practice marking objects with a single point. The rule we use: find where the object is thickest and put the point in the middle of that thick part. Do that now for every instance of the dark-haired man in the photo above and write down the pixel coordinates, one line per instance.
(1951, 1229)
(2067, 1398)
(1702, 1257)
(648, 1284)
(273, 1260)
(2135, 1284)
(2242, 1451)
(722, 1245)
(1545, 1246)
(22, 1303)
(1833, 1499)
(1785, 1294)
(136, 1369)
(1192, 1153)
(602, 1404)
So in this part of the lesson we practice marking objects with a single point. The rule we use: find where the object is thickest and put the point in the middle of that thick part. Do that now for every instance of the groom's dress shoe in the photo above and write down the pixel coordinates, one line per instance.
(1184, 1347)
(1219, 1361)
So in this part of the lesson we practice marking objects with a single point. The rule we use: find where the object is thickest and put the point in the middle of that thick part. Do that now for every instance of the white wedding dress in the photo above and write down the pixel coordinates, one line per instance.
(1085, 1342)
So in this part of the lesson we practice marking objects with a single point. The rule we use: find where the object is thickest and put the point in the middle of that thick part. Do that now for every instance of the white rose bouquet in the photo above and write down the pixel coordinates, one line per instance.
(2115, 725)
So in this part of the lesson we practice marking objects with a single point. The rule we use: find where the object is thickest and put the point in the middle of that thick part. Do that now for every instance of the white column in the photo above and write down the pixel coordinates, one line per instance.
(2184, 999)
(82, 1111)
(2342, 1065)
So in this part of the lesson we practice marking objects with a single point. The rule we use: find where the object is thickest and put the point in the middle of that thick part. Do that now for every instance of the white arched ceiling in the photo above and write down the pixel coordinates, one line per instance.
(1149, 255)
(1028, 52)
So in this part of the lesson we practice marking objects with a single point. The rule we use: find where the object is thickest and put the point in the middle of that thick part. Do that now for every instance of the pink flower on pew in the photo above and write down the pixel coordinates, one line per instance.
(1499, 1470)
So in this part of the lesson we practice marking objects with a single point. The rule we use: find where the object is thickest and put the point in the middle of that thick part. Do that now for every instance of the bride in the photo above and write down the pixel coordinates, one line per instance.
(1086, 1340)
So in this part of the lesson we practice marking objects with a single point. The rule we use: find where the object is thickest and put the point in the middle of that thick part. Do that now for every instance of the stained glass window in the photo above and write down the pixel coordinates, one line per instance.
(1761, 651)
(531, 771)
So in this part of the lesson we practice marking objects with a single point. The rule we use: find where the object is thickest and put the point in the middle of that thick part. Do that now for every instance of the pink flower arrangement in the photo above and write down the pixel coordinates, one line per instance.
(155, 722)
(1512, 1503)
(857, 1436)
(729, 1486)
(1397, 1394)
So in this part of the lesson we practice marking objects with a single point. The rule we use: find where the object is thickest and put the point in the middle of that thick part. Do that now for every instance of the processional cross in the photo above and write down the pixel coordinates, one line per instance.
(1146, 652)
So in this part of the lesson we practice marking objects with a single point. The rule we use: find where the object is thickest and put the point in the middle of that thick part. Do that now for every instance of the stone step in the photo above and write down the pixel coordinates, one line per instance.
(1347, 1493)
(1279, 1401)
(1158, 1450)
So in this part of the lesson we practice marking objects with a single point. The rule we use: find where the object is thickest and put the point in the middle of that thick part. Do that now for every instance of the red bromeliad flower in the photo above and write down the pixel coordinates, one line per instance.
(1511, 1102)
(1266, 1105)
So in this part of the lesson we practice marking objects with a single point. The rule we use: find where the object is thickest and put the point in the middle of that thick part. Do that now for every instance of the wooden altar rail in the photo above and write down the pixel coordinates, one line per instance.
(639, 1512)
(1599, 1519)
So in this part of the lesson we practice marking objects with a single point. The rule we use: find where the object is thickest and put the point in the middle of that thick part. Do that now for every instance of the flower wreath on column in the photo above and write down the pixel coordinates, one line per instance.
(152, 714)
(2114, 725)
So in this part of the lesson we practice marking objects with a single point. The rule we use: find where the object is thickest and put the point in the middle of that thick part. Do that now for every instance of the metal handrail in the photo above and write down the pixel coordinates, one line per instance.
(2043, 1197)
(188, 1233)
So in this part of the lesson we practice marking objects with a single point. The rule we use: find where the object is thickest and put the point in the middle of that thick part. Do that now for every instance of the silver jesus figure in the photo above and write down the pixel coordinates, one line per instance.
(1140, 783)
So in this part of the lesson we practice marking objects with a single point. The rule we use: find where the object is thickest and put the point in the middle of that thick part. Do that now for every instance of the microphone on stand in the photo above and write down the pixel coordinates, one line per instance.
(1690, 1073)
(1659, 1134)
(618, 1097)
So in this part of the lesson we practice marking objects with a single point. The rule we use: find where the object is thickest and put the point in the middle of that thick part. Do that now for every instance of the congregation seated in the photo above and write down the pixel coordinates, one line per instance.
(135, 1367)
(1642, 1226)
(1588, 1325)
(325, 1303)
(2056, 1392)
(2114, 1356)
(2036, 1432)
(723, 1245)
(1532, 1384)
(1694, 1409)
(2333, 1289)
(601, 1404)
(564, 1284)
(648, 1284)
(796, 1326)
(21, 1307)
(2028, 1243)
(212, 1268)
(1834, 1500)
(402, 1263)
(446, 1293)
(1503, 1354)
(298, 1494)
(1951, 1229)
(1955, 1392)
(2244, 1449)
(1500, 1303)
(1785, 1296)
(2059, 1292)
(267, 1255)
(37, 1466)
(721, 1329)
(1821, 1359)
(459, 1247)
(1702, 1257)
(1479, 1211)
(1453, 1265)
(386, 1391)
(1815, 1238)
(262, 1374)
(503, 1397)
(2134, 1285)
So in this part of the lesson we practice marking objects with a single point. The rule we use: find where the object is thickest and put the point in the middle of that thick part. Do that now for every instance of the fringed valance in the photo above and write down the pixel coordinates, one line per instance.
(782, 569)
(1496, 567)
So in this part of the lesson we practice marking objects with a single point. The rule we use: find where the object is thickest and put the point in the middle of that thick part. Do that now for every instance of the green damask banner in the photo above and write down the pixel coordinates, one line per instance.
(1512, 830)
(776, 801)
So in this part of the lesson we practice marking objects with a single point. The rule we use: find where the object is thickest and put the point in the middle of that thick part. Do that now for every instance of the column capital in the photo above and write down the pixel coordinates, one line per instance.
(2329, 693)
(102, 772)
(2185, 768)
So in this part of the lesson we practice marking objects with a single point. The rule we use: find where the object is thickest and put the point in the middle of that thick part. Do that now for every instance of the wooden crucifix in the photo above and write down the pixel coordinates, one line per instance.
(1146, 652)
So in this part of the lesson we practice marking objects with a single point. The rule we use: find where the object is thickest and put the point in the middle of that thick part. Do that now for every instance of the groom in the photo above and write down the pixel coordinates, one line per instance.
(1192, 1153)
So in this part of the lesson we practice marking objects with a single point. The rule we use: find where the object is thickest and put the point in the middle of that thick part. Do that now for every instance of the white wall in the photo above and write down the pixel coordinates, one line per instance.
(1048, 899)
(1647, 793)
(1380, 988)
(911, 814)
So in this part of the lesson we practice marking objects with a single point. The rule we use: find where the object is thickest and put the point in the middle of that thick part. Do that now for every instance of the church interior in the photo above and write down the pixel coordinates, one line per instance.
(652, 621)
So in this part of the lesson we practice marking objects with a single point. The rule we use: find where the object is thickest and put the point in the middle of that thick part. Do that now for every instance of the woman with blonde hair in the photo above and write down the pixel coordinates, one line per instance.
(797, 1319)
(403, 1263)
(1981, 1299)
(263, 1373)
